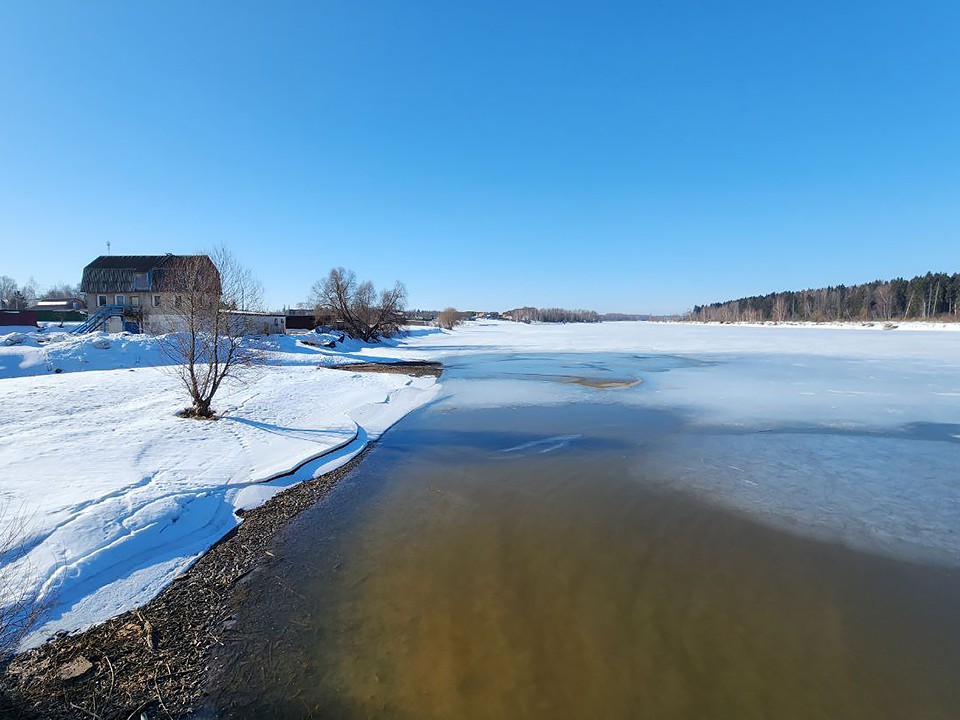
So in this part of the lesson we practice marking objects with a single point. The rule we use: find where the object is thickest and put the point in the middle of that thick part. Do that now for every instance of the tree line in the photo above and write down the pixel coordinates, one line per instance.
(934, 296)
(552, 315)
(14, 296)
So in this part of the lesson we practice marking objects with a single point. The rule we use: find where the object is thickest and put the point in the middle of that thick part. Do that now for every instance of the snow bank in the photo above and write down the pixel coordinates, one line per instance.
(26, 353)
(121, 495)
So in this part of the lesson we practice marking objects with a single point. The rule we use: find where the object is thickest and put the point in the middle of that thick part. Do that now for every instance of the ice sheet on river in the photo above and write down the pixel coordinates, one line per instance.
(836, 443)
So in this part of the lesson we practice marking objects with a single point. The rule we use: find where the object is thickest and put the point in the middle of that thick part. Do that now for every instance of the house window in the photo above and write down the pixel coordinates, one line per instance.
(134, 301)
(156, 301)
(101, 300)
(141, 281)
(177, 301)
(118, 299)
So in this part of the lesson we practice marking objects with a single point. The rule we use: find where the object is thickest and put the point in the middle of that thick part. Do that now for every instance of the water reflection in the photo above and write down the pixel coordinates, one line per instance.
(530, 563)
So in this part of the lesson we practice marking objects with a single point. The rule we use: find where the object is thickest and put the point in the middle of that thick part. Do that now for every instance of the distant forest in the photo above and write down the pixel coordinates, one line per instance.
(934, 296)
(552, 315)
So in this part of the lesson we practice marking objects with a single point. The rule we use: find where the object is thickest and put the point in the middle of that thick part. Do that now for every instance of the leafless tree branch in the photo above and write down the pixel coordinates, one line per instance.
(207, 340)
(20, 604)
(365, 314)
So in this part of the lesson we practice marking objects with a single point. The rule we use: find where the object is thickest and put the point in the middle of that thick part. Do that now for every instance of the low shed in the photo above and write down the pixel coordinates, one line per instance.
(260, 323)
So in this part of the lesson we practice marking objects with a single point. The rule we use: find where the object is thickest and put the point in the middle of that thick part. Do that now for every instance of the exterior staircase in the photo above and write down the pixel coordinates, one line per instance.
(96, 321)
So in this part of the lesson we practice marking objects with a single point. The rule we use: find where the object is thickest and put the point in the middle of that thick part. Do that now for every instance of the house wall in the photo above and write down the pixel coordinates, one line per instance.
(301, 322)
(257, 324)
(162, 318)
(144, 301)
(156, 319)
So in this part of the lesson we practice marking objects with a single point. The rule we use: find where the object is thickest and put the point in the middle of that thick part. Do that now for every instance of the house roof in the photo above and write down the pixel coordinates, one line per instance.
(58, 304)
(135, 273)
(255, 313)
(137, 263)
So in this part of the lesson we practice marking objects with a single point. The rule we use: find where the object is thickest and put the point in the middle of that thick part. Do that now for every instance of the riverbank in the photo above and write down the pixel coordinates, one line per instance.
(153, 656)
(153, 659)
(115, 495)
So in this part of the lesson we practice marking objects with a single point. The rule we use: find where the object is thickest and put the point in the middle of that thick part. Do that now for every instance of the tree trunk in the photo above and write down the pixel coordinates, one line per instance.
(201, 408)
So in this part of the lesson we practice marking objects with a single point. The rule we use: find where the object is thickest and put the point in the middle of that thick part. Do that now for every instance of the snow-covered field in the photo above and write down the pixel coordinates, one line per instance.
(120, 495)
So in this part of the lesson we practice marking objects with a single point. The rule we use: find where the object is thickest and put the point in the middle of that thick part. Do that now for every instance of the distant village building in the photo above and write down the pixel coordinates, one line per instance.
(58, 304)
(147, 289)
(251, 322)
(300, 319)
(59, 309)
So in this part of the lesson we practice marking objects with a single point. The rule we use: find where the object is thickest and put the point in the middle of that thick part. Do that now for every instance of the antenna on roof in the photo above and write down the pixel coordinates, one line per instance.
(108, 247)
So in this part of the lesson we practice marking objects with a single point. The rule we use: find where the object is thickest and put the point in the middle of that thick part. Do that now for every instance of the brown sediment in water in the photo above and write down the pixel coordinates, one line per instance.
(153, 659)
(597, 383)
(448, 583)
(603, 384)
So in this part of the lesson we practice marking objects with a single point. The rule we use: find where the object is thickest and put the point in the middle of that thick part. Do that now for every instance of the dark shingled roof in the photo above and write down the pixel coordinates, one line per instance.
(118, 273)
(137, 263)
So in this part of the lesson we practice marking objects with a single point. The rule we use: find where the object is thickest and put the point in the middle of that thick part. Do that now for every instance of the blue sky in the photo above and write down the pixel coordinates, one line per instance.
(636, 156)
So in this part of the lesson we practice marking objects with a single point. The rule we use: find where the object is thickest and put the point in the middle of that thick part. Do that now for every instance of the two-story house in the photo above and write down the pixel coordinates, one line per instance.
(149, 288)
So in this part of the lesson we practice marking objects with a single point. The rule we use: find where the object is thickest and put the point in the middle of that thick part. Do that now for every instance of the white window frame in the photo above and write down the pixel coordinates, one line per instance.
(156, 301)
(118, 300)
(134, 301)
(101, 300)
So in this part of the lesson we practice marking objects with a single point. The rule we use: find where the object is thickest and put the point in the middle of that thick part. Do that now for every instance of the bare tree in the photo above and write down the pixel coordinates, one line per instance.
(882, 297)
(20, 604)
(779, 308)
(29, 290)
(19, 301)
(8, 286)
(365, 314)
(207, 339)
(62, 290)
(448, 319)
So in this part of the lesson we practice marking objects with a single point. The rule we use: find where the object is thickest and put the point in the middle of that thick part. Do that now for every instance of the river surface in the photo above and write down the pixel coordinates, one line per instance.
(547, 549)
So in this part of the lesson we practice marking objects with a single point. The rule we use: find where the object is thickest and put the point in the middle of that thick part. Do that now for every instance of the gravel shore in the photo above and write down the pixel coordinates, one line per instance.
(151, 662)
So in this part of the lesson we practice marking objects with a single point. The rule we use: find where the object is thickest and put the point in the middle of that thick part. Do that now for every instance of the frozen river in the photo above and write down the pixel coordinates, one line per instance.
(628, 535)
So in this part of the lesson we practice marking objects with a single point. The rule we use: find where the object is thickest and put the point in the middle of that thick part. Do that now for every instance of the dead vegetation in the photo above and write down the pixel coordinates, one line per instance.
(151, 662)
(20, 605)
(417, 368)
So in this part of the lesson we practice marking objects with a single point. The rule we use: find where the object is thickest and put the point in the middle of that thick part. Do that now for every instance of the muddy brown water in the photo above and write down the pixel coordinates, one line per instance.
(509, 563)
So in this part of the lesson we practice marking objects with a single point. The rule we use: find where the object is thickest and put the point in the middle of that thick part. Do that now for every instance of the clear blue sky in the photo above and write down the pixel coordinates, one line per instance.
(635, 156)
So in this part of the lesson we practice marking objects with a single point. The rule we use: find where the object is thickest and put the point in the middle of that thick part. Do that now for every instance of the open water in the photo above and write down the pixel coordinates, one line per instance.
(524, 560)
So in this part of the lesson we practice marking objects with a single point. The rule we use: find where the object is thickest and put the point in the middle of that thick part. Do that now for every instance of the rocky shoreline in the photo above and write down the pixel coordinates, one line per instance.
(151, 662)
